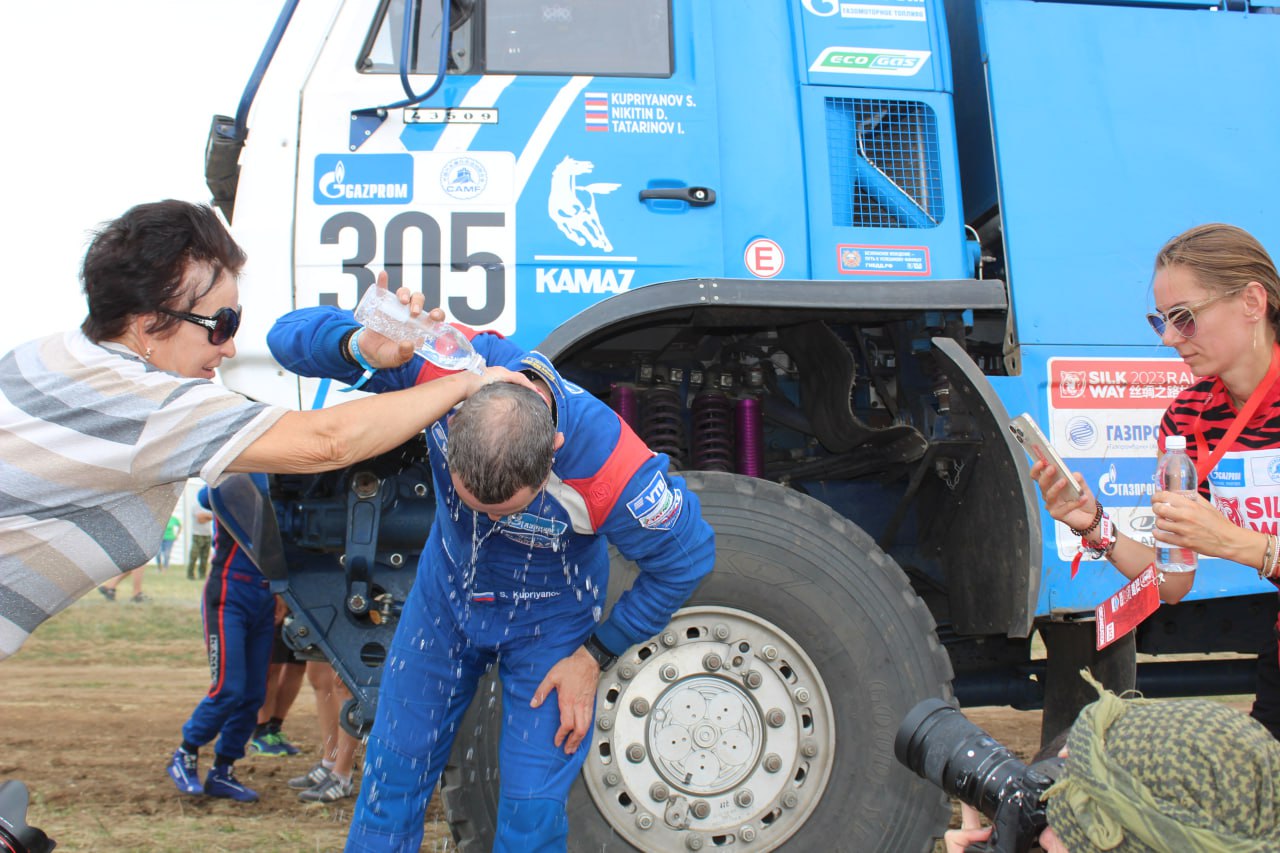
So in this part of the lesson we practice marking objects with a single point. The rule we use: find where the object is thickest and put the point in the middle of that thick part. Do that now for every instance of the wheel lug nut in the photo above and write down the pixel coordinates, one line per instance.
(668, 638)
(720, 632)
(639, 706)
(612, 779)
(744, 797)
(701, 809)
(635, 753)
(775, 717)
(605, 723)
(644, 820)
(802, 695)
(753, 678)
(712, 662)
(658, 792)
(693, 842)
(770, 653)
(809, 749)
(773, 762)
(626, 672)
(790, 800)
(747, 834)
(669, 673)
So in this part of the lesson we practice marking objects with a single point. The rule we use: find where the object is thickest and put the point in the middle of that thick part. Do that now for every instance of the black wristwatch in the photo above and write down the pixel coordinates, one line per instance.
(595, 648)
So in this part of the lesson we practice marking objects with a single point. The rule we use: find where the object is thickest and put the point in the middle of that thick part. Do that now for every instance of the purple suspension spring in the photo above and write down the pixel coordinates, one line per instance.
(663, 425)
(712, 432)
(749, 419)
(624, 402)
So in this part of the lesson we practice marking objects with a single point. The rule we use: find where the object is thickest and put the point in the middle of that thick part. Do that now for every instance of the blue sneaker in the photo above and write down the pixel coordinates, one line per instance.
(222, 782)
(284, 744)
(268, 745)
(184, 773)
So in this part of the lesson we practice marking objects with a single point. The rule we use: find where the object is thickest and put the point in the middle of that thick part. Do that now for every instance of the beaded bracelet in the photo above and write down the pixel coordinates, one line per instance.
(1097, 519)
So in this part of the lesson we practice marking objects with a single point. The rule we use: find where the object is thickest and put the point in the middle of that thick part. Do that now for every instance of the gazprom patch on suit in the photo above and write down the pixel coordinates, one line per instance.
(658, 506)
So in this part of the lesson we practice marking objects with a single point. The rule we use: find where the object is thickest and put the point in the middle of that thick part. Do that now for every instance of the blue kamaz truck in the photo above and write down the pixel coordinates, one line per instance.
(818, 252)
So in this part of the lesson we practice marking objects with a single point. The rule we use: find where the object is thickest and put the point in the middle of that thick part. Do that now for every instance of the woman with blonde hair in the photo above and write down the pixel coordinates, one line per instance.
(1217, 298)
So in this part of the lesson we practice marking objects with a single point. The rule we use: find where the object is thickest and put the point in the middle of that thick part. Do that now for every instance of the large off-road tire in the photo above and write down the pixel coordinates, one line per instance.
(765, 714)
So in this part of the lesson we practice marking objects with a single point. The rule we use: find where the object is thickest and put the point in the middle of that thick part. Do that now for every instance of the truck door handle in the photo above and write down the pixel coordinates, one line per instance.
(693, 196)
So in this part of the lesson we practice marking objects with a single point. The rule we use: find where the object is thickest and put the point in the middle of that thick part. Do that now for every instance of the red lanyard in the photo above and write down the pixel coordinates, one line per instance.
(1203, 465)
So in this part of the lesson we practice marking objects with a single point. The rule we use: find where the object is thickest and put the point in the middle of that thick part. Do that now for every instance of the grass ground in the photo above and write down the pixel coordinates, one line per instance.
(92, 708)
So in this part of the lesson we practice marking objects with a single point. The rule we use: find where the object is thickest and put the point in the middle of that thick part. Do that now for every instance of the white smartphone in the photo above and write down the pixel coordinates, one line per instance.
(1039, 449)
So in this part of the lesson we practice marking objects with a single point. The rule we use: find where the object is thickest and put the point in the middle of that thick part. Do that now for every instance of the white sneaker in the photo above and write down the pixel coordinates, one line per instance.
(330, 790)
(313, 777)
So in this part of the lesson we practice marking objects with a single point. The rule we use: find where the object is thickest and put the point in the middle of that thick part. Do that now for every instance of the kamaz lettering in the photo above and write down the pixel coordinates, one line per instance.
(577, 280)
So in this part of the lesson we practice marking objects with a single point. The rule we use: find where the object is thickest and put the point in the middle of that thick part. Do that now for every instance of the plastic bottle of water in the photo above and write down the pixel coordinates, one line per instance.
(439, 343)
(1176, 473)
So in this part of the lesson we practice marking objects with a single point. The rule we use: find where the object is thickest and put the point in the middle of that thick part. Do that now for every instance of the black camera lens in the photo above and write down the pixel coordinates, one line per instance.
(938, 743)
(15, 835)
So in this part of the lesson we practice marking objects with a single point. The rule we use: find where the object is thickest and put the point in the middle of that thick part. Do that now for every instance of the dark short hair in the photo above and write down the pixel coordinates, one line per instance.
(501, 441)
(136, 264)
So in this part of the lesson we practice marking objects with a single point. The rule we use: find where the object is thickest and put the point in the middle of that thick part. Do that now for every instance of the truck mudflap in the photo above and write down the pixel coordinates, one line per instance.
(993, 541)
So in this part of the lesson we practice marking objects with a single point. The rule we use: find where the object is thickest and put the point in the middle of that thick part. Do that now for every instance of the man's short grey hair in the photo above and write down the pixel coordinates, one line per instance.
(501, 441)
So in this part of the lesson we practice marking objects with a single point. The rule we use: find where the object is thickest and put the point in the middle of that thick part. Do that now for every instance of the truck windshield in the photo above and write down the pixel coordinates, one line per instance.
(599, 37)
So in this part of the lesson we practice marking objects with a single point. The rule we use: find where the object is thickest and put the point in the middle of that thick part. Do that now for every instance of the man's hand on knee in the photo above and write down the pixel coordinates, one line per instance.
(574, 679)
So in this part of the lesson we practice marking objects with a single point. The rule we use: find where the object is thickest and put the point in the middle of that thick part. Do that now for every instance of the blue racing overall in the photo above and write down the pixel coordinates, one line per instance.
(522, 592)
(239, 623)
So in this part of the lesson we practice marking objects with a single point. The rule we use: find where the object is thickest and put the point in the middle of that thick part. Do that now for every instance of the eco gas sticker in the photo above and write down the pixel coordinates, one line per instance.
(856, 259)
(870, 60)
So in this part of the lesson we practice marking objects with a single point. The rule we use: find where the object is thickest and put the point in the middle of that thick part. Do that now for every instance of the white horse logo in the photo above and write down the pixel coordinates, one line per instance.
(573, 206)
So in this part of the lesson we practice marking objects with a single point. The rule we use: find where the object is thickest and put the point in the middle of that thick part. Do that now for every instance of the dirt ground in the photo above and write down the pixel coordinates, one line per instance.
(91, 742)
(92, 708)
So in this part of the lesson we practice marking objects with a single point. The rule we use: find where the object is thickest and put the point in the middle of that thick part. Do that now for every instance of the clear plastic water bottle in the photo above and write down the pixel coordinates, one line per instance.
(1176, 473)
(439, 343)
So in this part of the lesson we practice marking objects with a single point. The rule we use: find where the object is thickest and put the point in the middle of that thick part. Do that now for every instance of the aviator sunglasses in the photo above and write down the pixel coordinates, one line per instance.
(222, 326)
(1182, 317)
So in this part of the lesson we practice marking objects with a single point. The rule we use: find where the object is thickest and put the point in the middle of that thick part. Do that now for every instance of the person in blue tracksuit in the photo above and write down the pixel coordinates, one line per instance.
(530, 491)
(239, 623)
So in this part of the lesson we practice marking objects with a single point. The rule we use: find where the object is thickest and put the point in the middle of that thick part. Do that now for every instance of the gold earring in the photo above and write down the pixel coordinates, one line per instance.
(146, 356)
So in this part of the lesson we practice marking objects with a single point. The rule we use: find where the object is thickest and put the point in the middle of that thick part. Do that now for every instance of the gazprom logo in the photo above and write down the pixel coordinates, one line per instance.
(1229, 473)
(870, 60)
(1082, 433)
(364, 179)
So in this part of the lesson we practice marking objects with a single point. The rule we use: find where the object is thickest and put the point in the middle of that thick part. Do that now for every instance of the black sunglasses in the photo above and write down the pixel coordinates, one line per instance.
(222, 326)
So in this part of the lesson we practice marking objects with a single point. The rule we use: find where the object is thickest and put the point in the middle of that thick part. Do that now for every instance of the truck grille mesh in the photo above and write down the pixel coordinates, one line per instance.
(885, 164)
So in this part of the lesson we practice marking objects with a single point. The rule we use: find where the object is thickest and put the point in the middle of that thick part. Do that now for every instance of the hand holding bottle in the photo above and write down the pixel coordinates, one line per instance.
(398, 318)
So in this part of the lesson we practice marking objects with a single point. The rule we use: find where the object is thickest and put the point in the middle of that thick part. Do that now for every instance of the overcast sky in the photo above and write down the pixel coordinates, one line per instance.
(107, 104)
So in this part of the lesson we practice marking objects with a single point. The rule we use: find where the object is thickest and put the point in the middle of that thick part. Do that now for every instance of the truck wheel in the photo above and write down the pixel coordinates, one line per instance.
(765, 714)
(1071, 647)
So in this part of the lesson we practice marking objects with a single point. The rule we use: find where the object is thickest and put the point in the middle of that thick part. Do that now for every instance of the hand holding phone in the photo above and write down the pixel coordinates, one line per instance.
(1039, 449)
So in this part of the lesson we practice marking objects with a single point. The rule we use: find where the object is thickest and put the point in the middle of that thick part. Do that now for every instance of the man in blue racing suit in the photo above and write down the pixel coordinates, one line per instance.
(530, 489)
